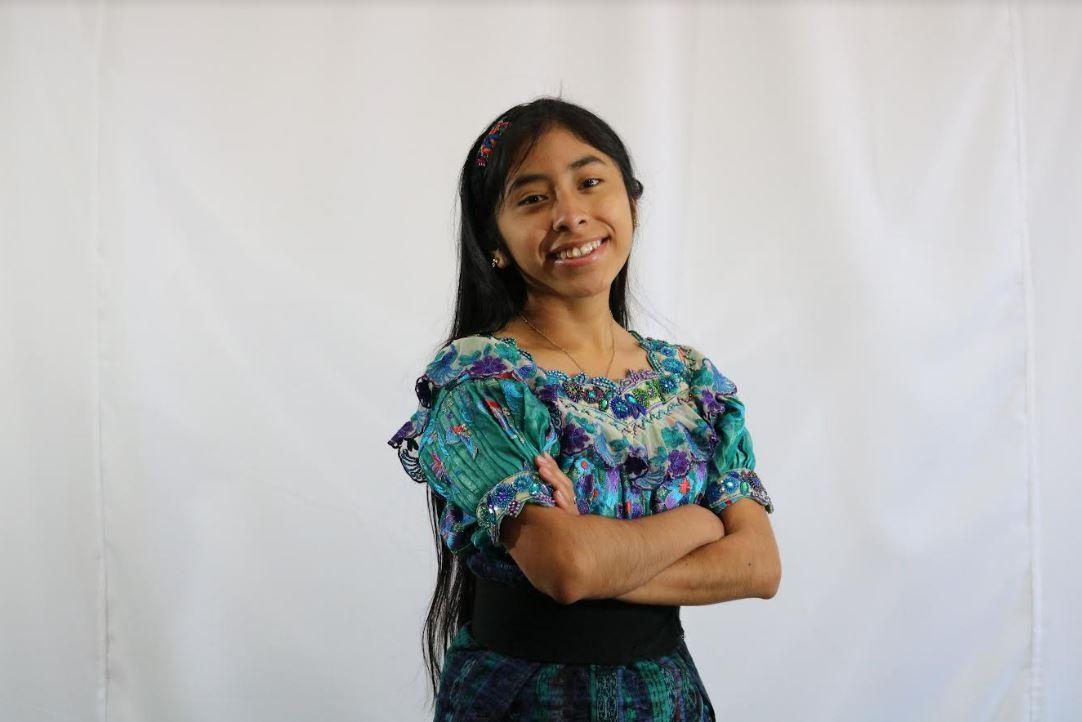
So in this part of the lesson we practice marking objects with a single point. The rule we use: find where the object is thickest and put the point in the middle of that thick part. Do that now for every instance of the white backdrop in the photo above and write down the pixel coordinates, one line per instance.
(226, 252)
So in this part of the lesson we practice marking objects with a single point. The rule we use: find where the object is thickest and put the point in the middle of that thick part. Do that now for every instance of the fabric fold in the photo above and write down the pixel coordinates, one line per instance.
(731, 474)
(473, 440)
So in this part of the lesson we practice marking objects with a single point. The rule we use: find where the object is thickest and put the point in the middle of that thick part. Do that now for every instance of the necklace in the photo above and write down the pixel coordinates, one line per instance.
(611, 357)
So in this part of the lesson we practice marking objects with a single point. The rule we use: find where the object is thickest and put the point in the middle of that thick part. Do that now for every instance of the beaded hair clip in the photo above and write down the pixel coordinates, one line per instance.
(490, 140)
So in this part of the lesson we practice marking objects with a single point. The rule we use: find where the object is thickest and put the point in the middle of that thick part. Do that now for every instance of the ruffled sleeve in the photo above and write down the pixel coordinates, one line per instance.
(473, 441)
(731, 471)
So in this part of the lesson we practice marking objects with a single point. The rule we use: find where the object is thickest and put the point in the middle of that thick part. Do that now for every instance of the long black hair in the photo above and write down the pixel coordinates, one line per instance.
(487, 298)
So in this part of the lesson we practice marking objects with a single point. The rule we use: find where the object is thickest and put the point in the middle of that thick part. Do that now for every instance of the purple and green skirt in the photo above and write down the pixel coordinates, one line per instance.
(481, 685)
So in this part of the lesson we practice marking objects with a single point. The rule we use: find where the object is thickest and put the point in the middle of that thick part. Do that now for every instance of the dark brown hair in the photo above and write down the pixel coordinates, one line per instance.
(487, 298)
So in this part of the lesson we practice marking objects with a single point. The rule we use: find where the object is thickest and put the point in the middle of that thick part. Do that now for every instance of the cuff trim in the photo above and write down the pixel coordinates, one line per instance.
(734, 485)
(508, 497)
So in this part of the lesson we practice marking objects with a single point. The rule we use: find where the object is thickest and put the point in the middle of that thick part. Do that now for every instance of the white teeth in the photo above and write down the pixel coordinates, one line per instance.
(579, 251)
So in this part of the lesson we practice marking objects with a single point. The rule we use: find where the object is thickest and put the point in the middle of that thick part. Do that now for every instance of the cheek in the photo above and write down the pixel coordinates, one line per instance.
(526, 250)
(617, 210)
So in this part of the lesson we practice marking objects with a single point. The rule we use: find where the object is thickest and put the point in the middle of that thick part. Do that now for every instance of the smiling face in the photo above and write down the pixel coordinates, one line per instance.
(563, 195)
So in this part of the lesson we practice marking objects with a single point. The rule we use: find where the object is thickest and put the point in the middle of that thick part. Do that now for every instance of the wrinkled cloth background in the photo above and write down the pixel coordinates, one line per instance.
(227, 250)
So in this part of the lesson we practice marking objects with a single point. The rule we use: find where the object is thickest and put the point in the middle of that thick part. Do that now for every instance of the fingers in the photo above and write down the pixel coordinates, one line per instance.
(563, 489)
(552, 476)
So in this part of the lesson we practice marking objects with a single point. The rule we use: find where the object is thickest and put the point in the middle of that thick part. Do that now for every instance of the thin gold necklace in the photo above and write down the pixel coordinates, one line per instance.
(611, 358)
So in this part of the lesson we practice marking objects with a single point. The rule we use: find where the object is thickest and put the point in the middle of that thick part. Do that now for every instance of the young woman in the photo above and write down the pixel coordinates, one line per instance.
(585, 481)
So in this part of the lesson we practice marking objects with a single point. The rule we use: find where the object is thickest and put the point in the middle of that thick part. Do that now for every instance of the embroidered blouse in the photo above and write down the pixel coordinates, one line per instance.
(660, 437)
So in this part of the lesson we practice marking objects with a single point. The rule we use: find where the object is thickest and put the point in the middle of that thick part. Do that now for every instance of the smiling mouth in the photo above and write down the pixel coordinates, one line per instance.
(556, 256)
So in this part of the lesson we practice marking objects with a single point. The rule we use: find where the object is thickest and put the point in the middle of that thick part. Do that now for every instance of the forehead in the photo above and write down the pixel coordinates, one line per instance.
(557, 151)
(557, 141)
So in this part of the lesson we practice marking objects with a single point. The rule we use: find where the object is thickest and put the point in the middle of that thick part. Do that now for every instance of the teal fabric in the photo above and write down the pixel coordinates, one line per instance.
(480, 447)
(654, 439)
(478, 684)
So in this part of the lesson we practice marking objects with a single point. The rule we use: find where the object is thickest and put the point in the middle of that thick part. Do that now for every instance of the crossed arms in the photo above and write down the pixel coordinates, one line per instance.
(684, 556)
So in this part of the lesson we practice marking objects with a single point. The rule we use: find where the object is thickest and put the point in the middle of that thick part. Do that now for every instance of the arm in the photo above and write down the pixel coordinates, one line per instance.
(571, 557)
(744, 563)
(616, 556)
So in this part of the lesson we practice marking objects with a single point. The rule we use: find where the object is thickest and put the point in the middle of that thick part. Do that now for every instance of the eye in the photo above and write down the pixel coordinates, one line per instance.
(536, 195)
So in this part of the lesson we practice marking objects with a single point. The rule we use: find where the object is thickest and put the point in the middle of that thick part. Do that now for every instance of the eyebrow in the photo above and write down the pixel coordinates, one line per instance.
(530, 178)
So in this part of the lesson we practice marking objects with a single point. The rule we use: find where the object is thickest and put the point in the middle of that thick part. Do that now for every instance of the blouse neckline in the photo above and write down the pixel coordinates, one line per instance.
(581, 377)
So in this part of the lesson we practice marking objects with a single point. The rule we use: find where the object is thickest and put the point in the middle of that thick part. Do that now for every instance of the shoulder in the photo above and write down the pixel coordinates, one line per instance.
(697, 368)
(477, 356)
(468, 366)
(676, 356)
(482, 360)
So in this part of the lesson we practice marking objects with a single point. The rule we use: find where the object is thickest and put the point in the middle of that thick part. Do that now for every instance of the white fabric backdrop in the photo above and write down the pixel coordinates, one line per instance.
(226, 252)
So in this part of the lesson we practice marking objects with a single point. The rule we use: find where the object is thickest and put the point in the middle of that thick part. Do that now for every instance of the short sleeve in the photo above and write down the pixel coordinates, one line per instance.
(477, 451)
(731, 473)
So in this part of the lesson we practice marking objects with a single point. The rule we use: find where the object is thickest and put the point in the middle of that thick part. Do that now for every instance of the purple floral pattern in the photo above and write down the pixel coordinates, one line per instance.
(508, 498)
(657, 438)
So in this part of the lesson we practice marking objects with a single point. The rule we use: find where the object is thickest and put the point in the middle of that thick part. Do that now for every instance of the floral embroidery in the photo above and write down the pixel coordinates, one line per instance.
(601, 390)
(456, 527)
(460, 433)
(487, 366)
(733, 486)
(573, 438)
(507, 498)
(657, 438)
(678, 463)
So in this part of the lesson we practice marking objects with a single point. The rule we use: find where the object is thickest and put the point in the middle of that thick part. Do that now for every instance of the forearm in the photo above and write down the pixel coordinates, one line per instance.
(615, 556)
(733, 567)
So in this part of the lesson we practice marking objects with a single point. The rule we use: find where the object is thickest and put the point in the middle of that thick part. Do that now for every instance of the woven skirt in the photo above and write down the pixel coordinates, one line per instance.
(481, 685)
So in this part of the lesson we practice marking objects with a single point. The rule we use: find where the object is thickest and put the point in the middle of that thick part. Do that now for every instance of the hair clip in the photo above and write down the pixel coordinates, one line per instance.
(490, 140)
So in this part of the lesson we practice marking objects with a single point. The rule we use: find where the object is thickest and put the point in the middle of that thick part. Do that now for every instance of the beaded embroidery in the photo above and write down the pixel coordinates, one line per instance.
(489, 142)
(659, 437)
(629, 396)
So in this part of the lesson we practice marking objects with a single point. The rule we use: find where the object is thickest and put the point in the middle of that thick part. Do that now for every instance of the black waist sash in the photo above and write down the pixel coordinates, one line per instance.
(529, 624)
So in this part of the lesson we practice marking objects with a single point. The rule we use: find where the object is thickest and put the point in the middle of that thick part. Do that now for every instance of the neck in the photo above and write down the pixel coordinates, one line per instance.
(580, 324)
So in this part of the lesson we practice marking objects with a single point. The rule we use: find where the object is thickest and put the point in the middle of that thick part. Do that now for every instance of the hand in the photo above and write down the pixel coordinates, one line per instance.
(563, 489)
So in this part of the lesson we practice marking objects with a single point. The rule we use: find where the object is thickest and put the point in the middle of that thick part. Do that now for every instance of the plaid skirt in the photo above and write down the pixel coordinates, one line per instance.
(480, 685)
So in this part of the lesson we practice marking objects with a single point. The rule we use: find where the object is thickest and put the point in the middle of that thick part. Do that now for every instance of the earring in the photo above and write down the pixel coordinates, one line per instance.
(495, 260)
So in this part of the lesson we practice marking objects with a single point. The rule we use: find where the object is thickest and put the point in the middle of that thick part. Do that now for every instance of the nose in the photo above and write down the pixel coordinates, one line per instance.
(568, 212)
